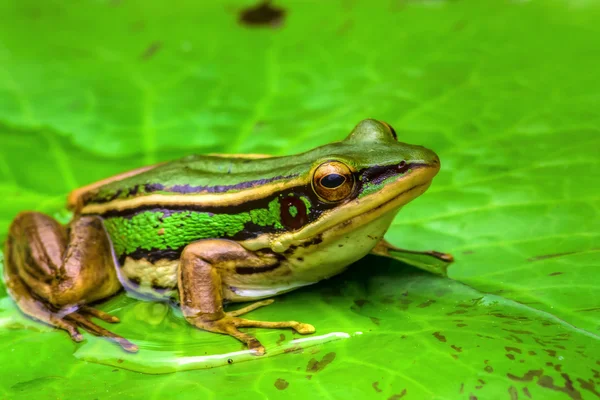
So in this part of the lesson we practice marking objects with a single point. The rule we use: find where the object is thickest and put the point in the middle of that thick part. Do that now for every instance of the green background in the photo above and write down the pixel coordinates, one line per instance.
(506, 92)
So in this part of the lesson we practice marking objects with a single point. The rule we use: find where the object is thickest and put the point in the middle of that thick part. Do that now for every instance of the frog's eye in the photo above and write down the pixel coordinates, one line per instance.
(391, 129)
(333, 181)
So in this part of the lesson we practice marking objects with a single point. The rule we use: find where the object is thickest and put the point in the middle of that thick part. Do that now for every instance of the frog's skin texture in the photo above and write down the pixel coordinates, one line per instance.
(219, 228)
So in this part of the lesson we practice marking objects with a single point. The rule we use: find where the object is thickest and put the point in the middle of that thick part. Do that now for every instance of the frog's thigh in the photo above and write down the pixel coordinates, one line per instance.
(200, 289)
(48, 269)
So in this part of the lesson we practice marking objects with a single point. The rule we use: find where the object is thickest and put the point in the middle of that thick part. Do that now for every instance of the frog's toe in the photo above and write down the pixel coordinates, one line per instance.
(304, 329)
(82, 320)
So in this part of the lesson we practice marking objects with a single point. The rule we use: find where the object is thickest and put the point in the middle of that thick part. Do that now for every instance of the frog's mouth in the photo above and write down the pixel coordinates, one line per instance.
(394, 193)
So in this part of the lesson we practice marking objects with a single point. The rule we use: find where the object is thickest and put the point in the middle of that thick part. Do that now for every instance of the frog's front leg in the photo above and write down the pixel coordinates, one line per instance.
(201, 290)
(53, 272)
(430, 261)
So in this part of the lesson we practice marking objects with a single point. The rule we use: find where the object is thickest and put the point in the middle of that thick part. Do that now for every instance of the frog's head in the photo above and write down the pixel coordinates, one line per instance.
(367, 177)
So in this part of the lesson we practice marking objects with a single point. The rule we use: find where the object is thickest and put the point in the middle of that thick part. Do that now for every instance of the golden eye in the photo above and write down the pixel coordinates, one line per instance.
(333, 181)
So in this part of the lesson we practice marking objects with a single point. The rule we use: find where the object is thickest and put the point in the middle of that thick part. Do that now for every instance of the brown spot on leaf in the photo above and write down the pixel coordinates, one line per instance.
(426, 303)
(376, 387)
(281, 339)
(518, 332)
(281, 384)
(375, 320)
(554, 255)
(514, 338)
(316, 366)
(472, 396)
(439, 336)
(510, 356)
(488, 369)
(151, 50)
(461, 325)
(528, 377)
(551, 353)
(294, 349)
(398, 395)
(548, 382)
(458, 349)
(555, 273)
(513, 349)
(589, 386)
(462, 388)
(531, 353)
(514, 395)
(261, 15)
(526, 392)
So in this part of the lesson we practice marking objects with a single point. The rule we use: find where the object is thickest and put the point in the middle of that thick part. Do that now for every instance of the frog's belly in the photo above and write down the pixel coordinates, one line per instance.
(159, 280)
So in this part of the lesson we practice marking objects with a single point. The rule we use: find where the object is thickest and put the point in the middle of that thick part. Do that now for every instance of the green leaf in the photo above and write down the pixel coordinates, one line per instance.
(505, 92)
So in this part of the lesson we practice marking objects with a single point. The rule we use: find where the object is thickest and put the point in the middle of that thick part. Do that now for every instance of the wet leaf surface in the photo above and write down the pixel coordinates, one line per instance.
(505, 93)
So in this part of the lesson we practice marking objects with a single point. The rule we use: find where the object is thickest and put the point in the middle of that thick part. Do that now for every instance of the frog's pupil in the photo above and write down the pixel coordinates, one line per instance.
(332, 181)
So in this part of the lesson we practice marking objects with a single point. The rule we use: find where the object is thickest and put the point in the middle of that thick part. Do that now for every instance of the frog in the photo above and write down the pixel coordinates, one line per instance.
(216, 229)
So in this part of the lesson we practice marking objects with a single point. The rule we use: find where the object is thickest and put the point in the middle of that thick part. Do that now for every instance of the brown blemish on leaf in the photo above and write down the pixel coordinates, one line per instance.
(398, 395)
(551, 353)
(261, 15)
(281, 339)
(316, 366)
(462, 388)
(439, 337)
(488, 369)
(375, 320)
(555, 255)
(294, 349)
(461, 325)
(589, 386)
(458, 349)
(426, 304)
(309, 377)
(281, 384)
(512, 317)
(531, 353)
(528, 377)
(485, 336)
(514, 395)
(472, 396)
(555, 273)
(510, 356)
(513, 349)
(514, 338)
(161, 231)
(518, 332)
(589, 309)
(376, 387)
(548, 382)
(457, 312)
(454, 356)
(558, 346)
(151, 50)
(526, 392)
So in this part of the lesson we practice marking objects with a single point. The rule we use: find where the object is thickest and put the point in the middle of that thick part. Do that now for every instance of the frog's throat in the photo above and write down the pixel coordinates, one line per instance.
(355, 213)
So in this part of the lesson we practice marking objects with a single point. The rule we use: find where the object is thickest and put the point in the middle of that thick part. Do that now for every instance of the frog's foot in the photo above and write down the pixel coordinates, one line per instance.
(82, 318)
(230, 323)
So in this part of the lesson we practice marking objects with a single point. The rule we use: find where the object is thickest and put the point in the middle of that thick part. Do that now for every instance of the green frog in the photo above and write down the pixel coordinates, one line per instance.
(213, 229)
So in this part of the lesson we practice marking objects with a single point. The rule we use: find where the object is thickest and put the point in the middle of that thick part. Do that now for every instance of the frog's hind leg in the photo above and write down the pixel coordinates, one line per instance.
(52, 272)
(200, 290)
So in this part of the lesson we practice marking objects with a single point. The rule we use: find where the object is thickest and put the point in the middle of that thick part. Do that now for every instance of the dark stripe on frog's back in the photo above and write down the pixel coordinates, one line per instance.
(201, 174)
